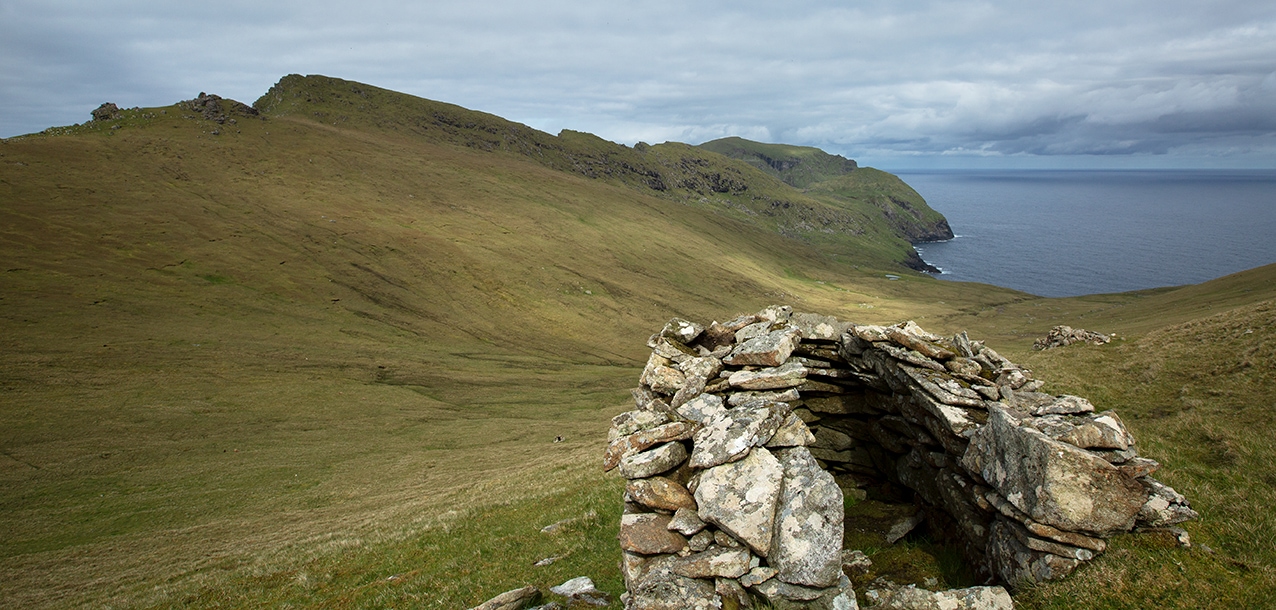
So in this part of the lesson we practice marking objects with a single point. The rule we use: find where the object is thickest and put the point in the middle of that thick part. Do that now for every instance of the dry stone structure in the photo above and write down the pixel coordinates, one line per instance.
(1062, 336)
(746, 434)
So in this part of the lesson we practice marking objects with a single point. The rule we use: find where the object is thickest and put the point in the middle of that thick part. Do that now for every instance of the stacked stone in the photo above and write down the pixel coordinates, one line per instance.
(1062, 336)
(723, 496)
(746, 434)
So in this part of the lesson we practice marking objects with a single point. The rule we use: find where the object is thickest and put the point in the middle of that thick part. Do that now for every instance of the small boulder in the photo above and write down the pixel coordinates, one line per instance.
(516, 599)
(581, 590)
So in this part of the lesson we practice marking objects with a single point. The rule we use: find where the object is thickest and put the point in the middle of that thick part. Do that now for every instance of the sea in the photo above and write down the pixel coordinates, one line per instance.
(1073, 232)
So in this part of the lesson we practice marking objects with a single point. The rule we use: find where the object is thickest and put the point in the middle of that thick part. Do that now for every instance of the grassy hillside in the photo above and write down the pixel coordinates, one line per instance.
(841, 183)
(854, 225)
(800, 166)
(323, 365)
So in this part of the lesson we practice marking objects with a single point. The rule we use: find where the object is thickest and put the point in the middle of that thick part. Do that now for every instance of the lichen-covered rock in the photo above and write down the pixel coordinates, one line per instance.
(652, 462)
(630, 422)
(737, 399)
(1091, 431)
(733, 595)
(729, 434)
(1061, 336)
(1029, 482)
(686, 522)
(808, 523)
(698, 372)
(944, 388)
(681, 330)
(660, 376)
(1052, 482)
(581, 590)
(648, 534)
(1016, 564)
(776, 591)
(660, 493)
(793, 432)
(1062, 405)
(714, 562)
(640, 441)
(787, 375)
(661, 589)
(771, 349)
(740, 497)
(701, 408)
(818, 327)
(757, 575)
(784, 596)
(912, 598)
(1164, 505)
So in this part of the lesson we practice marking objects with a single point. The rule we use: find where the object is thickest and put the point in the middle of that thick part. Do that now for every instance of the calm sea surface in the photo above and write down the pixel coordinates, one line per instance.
(1066, 233)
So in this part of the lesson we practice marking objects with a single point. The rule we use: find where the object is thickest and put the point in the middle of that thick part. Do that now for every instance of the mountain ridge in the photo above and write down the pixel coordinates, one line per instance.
(839, 220)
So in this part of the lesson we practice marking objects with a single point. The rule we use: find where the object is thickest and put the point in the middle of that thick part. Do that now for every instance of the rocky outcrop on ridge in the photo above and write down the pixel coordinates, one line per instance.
(218, 109)
(746, 434)
(106, 112)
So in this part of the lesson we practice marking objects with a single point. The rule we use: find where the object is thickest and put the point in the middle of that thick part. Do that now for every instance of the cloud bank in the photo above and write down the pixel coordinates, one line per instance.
(955, 83)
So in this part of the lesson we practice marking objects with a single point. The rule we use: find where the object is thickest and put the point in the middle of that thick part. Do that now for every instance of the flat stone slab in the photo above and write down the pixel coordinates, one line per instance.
(652, 462)
(788, 375)
(771, 349)
(648, 534)
(740, 497)
(730, 433)
(660, 493)
(700, 408)
(715, 562)
(808, 523)
(626, 446)
(1054, 483)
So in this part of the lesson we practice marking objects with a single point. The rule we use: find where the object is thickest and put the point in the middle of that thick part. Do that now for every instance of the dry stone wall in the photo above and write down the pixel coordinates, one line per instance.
(746, 435)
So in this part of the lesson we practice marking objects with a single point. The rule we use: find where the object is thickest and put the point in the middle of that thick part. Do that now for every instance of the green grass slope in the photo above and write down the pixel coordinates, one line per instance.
(314, 365)
(864, 228)
(800, 166)
(841, 183)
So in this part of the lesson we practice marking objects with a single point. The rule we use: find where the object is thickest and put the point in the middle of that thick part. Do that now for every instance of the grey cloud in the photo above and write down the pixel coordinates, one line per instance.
(883, 80)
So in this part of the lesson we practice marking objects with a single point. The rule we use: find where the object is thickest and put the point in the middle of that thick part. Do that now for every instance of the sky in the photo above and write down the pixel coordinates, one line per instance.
(893, 84)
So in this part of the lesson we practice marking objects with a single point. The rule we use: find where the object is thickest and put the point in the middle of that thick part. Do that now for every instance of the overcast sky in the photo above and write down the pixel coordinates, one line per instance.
(893, 84)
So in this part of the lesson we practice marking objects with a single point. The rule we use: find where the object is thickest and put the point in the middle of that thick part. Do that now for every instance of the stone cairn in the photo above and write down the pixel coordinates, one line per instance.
(746, 435)
(1063, 336)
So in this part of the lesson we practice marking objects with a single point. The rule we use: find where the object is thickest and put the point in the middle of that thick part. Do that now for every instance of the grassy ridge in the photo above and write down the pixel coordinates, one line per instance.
(800, 166)
(872, 194)
(848, 222)
(319, 365)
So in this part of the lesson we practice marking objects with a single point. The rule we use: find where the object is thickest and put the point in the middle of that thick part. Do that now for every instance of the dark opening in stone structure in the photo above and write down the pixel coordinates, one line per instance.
(747, 435)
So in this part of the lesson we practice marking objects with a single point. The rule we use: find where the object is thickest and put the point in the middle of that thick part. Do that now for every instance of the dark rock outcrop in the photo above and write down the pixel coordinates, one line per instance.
(106, 112)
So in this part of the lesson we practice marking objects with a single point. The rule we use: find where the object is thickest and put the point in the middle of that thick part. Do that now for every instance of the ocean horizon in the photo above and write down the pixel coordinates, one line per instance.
(1061, 233)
